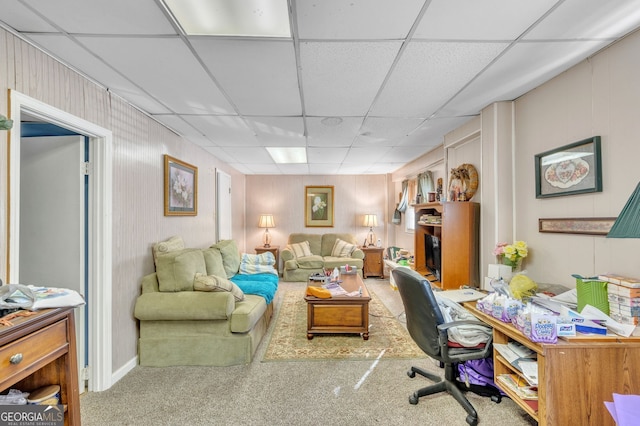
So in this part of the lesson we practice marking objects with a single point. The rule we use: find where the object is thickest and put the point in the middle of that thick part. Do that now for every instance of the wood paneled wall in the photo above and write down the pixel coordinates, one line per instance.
(284, 197)
(139, 145)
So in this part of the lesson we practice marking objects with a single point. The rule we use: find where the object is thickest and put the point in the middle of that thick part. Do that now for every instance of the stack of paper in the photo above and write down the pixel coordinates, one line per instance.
(625, 409)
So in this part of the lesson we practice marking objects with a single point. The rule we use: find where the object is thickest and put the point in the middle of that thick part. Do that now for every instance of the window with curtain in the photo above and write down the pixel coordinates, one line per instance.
(404, 201)
(425, 184)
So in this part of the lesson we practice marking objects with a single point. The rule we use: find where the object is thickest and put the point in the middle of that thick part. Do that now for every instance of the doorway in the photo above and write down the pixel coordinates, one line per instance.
(98, 231)
(223, 206)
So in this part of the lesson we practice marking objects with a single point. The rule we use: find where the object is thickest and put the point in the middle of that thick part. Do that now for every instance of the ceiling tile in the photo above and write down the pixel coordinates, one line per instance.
(293, 169)
(588, 19)
(259, 76)
(365, 155)
(105, 17)
(176, 79)
(341, 134)
(249, 156)
(324, 169)
(480, 20)
(182, 127)
(326, 155)
(223, 130)
(16, 15)
(72, 53)
(356, 19)
(343, 78)
(522, 68)
(279, 131)
(389, 128)
(430, 73)
(220, 154)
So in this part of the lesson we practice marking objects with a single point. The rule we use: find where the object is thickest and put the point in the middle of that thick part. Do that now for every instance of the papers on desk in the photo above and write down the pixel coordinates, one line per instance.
(462, 295)
(522, 358)
(625, 409)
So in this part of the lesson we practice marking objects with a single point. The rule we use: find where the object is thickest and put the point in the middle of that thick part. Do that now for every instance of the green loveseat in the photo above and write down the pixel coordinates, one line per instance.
(181, 326)
(298, 267)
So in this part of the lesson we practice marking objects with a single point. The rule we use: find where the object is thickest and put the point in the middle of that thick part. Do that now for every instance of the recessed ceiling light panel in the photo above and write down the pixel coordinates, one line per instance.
(252, 18)
(288, 155)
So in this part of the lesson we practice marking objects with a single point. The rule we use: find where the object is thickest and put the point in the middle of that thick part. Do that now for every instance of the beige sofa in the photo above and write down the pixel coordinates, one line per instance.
(193, 309)
(323, 255)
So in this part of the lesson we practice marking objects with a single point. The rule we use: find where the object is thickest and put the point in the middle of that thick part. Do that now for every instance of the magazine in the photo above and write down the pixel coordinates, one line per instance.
(34, 298)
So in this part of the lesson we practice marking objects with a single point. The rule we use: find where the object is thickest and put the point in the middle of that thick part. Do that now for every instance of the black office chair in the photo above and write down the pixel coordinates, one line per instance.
(428, 329)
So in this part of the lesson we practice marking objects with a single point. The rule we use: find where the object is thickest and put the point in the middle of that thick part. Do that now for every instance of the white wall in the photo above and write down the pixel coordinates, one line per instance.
(597, 97)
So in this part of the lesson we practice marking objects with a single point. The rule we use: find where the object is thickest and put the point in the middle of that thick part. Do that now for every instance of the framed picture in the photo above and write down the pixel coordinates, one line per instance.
(572, 169)
(588, 226)
(180, 188)
(318, 206)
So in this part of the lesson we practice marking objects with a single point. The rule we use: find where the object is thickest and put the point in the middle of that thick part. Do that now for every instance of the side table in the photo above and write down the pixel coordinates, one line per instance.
(275, 250)
(373, 264)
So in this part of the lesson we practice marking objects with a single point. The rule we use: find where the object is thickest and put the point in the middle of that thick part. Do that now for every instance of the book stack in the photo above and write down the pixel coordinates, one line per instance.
(624, 298)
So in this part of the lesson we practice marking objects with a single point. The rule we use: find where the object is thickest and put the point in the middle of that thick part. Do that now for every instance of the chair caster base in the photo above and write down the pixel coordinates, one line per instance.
(496, 398)
(413, 399)
(473, 421)
(411, 373)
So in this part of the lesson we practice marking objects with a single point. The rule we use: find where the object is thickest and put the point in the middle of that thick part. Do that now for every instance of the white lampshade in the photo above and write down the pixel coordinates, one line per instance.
(370, 220)
(266, 221)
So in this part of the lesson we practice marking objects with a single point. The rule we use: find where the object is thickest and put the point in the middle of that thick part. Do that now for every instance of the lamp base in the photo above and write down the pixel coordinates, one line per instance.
(371, 238)
(266, 238)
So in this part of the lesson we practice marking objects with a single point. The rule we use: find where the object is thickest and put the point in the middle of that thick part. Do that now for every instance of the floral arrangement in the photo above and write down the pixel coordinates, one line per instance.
(511, 254)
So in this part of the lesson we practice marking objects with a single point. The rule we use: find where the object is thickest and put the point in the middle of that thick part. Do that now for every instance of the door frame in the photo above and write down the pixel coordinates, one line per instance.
(100, 240)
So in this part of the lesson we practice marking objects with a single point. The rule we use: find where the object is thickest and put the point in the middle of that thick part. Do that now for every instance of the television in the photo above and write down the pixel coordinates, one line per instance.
(432, 255)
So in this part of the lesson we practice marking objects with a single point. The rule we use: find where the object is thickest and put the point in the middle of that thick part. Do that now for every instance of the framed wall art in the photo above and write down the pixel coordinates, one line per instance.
(180, 188)
(572, 169)
(318, 206)
(588, 226)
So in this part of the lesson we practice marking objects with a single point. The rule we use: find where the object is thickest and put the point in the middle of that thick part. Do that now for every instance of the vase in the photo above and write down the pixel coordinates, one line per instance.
(516, 265)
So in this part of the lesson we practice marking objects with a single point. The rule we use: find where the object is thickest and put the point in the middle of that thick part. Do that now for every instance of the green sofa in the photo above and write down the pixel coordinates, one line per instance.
(297, 267)
(219, 327)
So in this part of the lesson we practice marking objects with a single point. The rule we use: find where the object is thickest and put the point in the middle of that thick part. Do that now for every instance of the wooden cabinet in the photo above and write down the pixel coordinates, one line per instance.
(40, 350)
(373, 263)
(575, 376)
(456, 228)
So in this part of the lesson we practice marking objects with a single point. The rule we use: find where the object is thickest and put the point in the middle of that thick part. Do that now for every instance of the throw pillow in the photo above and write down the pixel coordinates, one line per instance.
(230, 256)
(213, 260)
(258, 264)
(176, 269)
(172, 244)
(342, 248)
(203, 282)
(301, 249)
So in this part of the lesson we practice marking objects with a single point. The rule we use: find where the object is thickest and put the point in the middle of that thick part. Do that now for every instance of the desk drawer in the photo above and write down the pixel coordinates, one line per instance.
(33, 350)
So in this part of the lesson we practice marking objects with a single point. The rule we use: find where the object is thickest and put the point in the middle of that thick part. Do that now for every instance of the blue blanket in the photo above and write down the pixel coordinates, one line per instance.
(264, 285)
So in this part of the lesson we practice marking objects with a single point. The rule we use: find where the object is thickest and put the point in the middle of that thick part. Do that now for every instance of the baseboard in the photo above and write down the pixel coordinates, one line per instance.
(124, 370)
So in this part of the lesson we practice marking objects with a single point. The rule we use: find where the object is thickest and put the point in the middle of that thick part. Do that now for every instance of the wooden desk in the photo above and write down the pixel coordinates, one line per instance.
(575, 376)
(43, 350)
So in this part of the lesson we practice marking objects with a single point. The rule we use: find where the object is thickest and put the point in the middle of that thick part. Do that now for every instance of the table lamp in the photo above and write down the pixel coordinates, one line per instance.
(266, 221)
(371, 220)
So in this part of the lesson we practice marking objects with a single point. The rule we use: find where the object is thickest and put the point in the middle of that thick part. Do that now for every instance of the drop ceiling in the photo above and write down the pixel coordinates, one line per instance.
(364, 85)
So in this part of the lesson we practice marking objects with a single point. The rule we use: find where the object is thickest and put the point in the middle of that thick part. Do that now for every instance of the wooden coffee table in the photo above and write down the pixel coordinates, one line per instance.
(341, 314)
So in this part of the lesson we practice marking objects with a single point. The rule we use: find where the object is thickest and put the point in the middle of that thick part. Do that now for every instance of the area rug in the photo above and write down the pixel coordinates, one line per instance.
(289, 338)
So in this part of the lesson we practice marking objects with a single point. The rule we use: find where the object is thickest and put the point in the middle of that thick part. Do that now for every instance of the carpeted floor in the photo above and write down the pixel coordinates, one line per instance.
(289, 339)
(332, 392)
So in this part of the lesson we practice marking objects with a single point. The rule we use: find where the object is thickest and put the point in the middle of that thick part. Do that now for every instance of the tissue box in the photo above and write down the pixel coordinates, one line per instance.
(497, 270)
